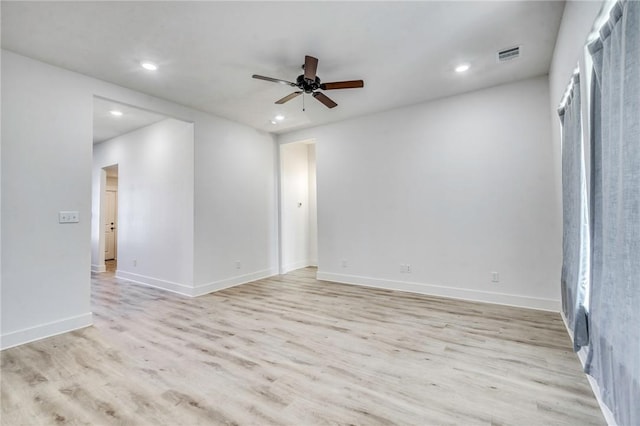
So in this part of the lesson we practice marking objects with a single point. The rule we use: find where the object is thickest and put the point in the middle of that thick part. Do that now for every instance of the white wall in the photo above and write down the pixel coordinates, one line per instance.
(457, 188)
(235, 206)
(155, 204)
(46, 167)
(313, 206)
(98, 205)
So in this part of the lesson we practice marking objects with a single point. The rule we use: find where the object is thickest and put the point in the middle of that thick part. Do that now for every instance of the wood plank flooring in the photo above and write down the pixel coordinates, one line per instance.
(292, 350)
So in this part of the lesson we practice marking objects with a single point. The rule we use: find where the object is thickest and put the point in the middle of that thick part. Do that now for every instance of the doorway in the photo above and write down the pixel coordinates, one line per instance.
(298, 206)
(111, 218)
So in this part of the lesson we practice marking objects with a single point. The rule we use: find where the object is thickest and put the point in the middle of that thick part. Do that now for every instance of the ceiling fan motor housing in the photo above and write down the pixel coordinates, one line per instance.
(307, 86)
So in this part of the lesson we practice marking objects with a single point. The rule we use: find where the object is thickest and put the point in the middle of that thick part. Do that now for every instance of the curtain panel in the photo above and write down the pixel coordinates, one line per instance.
(614, 312)
(573, 281)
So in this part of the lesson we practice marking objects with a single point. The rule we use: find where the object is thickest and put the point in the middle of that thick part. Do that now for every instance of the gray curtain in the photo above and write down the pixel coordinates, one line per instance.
(573, 279)
(614, 312)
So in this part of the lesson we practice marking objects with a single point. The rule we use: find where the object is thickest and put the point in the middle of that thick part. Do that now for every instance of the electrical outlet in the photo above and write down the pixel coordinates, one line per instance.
(408, 269)
(135, 262)
(344, 263)
(495, 277)
(238, 265)
(68, 216)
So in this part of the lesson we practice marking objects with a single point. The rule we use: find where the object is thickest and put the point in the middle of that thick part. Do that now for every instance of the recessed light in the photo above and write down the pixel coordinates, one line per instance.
(149, 66)
(462, 68)
(116, 112)
(273, 122)
(279, 117)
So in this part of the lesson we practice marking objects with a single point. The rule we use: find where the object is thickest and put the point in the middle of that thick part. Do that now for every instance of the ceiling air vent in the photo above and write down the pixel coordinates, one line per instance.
(509, 54)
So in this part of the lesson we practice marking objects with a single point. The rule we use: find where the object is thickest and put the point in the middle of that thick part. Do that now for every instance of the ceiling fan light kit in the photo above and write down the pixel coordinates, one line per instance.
(310, 83)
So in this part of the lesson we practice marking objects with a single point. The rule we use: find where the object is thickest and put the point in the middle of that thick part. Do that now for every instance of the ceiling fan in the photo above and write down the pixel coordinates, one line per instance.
(309, 83)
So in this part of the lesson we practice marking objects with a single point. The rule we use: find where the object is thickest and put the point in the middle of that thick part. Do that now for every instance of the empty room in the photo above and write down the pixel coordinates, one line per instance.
(308, 213)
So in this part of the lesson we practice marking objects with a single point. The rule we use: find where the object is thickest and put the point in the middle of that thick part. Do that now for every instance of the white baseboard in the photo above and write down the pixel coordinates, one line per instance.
(173, 287)
(442, 291)
(233, 281)
(199, 290)
(296, 265)
(43, 331)
(98, 268)
(582, 356)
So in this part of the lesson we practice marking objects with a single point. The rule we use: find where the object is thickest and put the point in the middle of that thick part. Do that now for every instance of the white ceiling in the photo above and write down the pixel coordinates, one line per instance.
(207, 51)
(107, 126)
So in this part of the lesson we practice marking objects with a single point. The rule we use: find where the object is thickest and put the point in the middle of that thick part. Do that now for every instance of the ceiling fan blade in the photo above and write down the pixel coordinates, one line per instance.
(288, 97)
(310, 68)
(324, 99)
(274, 80)
(351, 84)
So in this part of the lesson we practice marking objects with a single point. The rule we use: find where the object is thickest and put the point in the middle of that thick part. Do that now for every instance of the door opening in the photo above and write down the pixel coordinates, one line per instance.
(111, 218)
(298, 210)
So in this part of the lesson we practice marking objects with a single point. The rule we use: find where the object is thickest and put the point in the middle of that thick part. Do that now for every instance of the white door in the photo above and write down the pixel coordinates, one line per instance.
(110, 226)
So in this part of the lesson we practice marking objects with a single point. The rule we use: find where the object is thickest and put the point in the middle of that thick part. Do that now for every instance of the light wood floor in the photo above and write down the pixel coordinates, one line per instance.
(297, 351)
